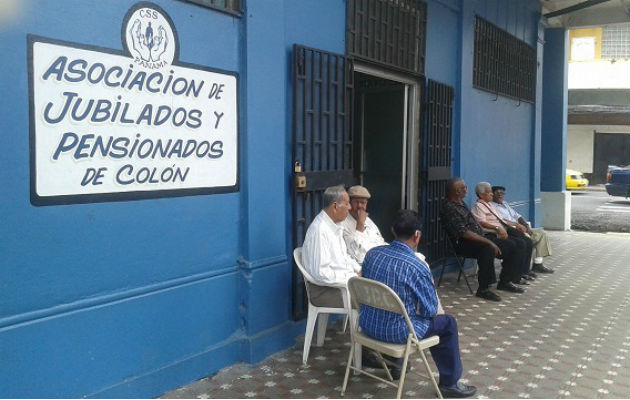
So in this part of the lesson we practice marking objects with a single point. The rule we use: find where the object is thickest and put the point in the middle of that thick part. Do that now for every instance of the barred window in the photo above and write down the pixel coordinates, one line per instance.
(616, 41)
(229, 6)
(390, 32)
(503, 64)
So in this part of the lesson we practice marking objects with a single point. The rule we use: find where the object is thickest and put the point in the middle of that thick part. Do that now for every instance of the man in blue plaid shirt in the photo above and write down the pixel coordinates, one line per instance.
(397, 266)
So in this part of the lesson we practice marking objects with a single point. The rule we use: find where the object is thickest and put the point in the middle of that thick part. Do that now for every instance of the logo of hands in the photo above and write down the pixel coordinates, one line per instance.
(147, 45)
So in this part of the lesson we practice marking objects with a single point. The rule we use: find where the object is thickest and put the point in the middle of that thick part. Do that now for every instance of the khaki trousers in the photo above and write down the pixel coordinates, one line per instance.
(325, 296)
(542, 248)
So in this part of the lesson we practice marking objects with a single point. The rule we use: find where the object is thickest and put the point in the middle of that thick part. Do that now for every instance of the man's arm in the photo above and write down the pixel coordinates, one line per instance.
(480, 216)
(455, 225)
(320, 263)
(472, 236)
(525, 225)
(423, 288)
(357, 243)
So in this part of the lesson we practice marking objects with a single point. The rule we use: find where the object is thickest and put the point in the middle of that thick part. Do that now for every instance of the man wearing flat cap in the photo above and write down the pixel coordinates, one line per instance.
(538, 236)
(359, 231)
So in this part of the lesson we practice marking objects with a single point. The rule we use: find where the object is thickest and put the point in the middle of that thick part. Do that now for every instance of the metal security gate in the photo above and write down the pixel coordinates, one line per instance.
(322, 141)
(436, 147)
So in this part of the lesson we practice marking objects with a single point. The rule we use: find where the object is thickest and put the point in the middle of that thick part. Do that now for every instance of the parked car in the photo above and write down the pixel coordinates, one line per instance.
(618, 181)
(575, 179)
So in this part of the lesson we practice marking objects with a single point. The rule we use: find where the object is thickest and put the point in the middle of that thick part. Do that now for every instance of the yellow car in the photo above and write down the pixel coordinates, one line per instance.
(576, 179)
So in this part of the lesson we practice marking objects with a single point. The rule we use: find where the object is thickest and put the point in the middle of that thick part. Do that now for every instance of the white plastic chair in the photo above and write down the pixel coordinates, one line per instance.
(375, 294)
(319, 314)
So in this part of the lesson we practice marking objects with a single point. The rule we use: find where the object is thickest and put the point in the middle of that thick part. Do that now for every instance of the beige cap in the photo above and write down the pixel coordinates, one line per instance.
(359, 191)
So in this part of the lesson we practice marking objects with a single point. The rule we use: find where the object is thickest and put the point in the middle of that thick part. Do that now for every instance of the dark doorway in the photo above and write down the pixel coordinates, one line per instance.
(609, 149)
(380, 130)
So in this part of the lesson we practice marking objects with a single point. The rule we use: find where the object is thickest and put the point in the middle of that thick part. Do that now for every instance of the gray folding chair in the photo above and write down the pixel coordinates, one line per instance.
(375, 294)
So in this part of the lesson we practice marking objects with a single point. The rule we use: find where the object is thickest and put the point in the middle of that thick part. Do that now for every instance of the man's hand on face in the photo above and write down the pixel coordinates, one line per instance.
(361, 217)
(502, 233)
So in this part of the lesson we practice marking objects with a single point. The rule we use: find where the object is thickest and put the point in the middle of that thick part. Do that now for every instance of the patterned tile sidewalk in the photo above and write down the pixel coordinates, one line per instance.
(568, 336)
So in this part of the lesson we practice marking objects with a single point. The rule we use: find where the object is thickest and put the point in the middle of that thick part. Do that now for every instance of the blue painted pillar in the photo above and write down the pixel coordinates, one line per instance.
(535, 157)
(556, 201)
(554, 110)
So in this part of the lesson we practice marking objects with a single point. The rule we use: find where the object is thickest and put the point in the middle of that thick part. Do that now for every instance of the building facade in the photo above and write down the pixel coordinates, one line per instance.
(598, 130)
(162, 160)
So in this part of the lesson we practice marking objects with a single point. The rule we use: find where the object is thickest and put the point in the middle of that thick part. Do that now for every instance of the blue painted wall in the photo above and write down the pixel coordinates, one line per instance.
(135, 298)
(132, 299)
(493, 136)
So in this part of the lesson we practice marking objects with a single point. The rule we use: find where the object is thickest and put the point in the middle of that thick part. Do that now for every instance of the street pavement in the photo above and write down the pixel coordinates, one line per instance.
(567, 336)
(596, 211)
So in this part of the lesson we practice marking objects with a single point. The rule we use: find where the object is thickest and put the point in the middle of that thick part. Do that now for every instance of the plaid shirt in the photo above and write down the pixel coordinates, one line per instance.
(397, 266)
(456, 218)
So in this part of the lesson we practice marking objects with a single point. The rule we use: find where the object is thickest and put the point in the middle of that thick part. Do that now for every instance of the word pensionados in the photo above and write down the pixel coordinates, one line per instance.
(89, 146)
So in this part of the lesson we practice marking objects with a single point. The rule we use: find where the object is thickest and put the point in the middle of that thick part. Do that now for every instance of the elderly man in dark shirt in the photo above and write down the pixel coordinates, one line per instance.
(469, 240)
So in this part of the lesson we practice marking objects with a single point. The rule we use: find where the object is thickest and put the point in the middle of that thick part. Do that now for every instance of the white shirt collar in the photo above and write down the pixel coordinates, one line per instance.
(336, 227)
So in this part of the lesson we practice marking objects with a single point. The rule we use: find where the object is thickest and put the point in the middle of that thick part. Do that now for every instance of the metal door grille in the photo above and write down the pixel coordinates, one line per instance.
(322, 140)
(436, 148)
(390, 32)
(503, 64)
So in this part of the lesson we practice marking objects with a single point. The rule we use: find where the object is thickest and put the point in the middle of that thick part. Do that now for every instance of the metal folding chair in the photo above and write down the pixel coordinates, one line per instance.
(460, 265)
(375, 294)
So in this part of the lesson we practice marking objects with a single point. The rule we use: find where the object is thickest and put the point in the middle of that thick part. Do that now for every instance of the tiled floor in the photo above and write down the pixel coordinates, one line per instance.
(568, 336)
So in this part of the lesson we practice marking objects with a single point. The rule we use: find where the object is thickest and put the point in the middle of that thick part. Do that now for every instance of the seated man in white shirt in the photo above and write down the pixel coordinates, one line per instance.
(542, 248)
(324, 253)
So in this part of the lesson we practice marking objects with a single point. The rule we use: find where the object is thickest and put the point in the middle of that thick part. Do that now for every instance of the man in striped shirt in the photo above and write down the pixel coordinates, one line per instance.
(397, 266)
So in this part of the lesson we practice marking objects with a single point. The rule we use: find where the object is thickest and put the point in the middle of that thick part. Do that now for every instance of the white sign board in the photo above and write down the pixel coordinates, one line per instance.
(121, 125)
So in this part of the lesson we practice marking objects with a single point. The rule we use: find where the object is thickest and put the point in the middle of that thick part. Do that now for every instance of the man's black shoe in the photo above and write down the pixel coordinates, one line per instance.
(532, 274)
(521, 281)
(395, 373)
(509, 287)
(488, 295)
(528, 277)
(542, 269)
(457, 391)
(370, 360)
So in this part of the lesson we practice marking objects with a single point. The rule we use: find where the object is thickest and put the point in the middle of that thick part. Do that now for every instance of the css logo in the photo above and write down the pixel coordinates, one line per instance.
(149, 36)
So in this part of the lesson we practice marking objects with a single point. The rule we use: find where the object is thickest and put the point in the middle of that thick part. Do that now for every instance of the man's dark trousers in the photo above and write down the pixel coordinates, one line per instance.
(525, 243)
(512, 254)
(446, 353)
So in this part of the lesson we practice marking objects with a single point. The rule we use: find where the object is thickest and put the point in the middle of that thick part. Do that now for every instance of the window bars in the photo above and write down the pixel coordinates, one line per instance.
(616, 41)
(503, 64)
(234, 7)
(389, 32)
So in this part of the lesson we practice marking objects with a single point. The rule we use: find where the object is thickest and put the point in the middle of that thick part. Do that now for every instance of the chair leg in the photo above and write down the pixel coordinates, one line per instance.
(385, 367)
(428, 368)
(322, 323)
(460, 265)
(441, 274)
(308, 335)
(461, 271)
(345, 378)
(358, 356)
(403, 371)
(345, 323)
